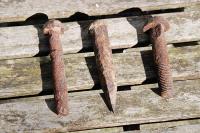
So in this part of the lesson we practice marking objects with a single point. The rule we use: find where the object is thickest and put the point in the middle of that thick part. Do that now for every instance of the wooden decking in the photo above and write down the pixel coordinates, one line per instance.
(26, 90)
(20, 10)
(88, 110)
(123, 33)
(30, 76)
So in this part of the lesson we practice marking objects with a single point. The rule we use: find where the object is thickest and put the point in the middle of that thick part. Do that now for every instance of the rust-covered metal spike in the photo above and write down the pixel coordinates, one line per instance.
(158, 26)
(54, 29)
(103, 54)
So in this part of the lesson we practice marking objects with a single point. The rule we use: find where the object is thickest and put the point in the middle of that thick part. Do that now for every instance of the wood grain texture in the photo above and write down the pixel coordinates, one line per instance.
(87, 110)
(28, 41)
(189, 126)
(31, 76)
(169, 124)
(13, 10)
(103, 130)
(176, 129)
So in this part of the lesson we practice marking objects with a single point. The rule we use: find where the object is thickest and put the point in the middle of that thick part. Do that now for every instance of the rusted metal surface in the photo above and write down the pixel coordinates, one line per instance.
(103, 54)
(158, 26)
(54, 29)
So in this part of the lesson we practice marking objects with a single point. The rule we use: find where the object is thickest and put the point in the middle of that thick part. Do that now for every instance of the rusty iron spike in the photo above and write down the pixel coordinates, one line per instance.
(158, 26)
(54, 29)
(103, 54)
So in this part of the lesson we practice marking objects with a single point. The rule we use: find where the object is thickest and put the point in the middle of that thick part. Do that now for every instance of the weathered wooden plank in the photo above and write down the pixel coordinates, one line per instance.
(88, 110)
(20, 10)
(169, 46)
(192, 7)
(177, 129)
(31, 76)
(149, 127)
(103, 130)
(28, 41)
(193, 128)
(170, 124)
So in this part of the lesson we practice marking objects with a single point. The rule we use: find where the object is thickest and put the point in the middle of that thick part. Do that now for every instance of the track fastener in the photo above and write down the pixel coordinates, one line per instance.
(159, 46)
(103, 55)
(54, 29)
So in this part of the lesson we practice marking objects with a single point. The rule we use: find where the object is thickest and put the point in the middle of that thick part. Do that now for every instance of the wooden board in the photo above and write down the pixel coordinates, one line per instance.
(101, 130)
(192, 128)
(173, 126)
(88, 110)
(32, 76)
(169, 124)
(13, 10)
(177, 129)
(28, 41)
